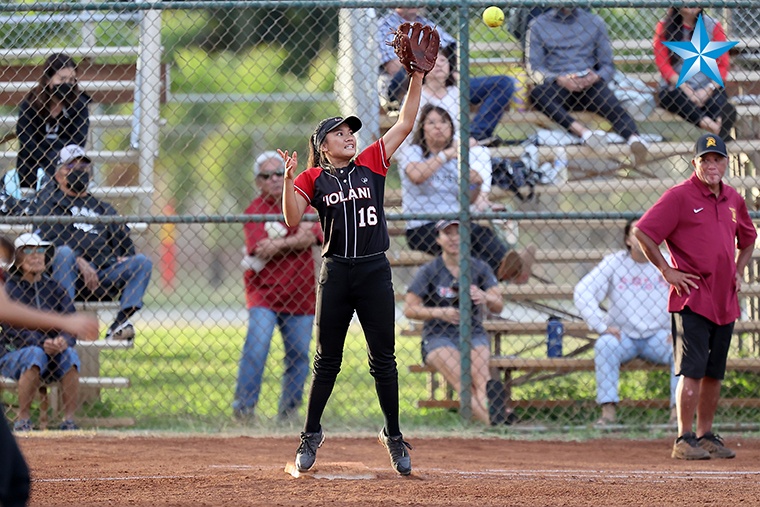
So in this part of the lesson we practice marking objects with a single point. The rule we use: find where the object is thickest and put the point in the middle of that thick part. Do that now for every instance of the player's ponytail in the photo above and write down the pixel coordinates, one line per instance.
(316, 158)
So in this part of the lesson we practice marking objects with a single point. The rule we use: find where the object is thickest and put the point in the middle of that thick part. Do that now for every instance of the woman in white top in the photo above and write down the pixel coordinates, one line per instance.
(636, 323)
(430, 184)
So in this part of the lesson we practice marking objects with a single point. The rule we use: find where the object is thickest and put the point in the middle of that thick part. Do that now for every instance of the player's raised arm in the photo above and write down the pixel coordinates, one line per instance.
(405, 123)
(293, 204)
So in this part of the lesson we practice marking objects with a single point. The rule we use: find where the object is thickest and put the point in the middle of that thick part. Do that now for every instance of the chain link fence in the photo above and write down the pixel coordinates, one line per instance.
(206, 298)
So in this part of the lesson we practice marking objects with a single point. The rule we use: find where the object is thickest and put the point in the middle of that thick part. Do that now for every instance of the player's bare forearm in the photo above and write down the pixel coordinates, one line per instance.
(403, 126)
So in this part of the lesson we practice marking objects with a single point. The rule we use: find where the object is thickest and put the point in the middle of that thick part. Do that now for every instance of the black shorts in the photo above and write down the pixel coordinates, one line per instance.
(700, 346)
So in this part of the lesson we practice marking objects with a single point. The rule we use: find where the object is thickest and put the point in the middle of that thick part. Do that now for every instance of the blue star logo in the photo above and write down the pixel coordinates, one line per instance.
(699, 54)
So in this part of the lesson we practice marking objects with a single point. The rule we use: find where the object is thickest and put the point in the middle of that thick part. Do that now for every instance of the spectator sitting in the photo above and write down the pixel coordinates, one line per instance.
(491, 93)
(52, 115)
(280, 291)
(698, 100)
(637, 323)
(33, 356)
(569, 57)
(433, 297)
(101, 255)
(430, 184)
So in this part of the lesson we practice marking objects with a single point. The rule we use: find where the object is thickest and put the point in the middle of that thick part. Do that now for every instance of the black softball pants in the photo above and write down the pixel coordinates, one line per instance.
(14, 474)
(363, 285)
(717, 106)
(557, 102)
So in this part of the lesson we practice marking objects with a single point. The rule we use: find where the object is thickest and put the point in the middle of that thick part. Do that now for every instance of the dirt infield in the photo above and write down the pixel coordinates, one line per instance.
(89, 470)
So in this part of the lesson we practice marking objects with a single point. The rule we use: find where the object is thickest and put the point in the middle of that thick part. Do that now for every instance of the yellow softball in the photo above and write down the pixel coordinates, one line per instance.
(493, 16)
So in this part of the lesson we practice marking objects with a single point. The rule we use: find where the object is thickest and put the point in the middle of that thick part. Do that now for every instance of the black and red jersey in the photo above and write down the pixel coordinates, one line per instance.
(350, 203)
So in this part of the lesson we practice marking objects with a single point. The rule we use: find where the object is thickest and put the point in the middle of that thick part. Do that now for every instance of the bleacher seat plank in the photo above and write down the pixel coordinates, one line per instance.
(102, 344)
(94, 382)
(616, 186)
(97, 156)
(96, 121)
(565, 291)
(399, 258)
(73, 51)
(106, 83)
(570, 327)
(569, 365)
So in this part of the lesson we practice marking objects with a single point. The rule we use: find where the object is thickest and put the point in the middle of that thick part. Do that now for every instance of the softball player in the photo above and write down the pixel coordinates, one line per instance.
(348, 194)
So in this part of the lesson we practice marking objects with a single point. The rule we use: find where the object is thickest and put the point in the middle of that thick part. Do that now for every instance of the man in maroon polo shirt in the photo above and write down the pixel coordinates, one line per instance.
(703, 222)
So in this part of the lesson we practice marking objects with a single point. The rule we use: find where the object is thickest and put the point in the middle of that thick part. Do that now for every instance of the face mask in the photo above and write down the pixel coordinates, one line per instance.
(78, 181)
(62, 90)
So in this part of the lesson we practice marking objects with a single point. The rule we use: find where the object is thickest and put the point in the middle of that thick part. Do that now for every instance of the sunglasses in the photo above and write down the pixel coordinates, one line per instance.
(33, 249)
(266, 176)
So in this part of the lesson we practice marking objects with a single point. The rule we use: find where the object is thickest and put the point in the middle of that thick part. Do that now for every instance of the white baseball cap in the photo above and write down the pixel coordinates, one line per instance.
(263, 157)
(29, 239)
(72, 152)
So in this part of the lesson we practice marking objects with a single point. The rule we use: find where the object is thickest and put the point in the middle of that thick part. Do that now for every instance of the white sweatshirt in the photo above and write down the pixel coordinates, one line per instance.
(636, 295)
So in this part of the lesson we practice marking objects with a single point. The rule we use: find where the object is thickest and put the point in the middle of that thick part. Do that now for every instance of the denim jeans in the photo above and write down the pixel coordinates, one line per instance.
(493, 93)
(610, 353)
(132, 274)
(52, 368)
(296, 335)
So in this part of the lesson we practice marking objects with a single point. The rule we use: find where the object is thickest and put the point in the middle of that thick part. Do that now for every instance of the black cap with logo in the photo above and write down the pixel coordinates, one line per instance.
(710, 143)
(330, 124)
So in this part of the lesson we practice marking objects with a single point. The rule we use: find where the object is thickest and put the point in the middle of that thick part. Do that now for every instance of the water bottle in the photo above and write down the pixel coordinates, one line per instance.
(560, 165)
(554, 332)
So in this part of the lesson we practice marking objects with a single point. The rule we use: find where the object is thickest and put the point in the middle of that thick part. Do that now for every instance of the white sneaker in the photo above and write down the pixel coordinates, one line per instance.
(123, 332)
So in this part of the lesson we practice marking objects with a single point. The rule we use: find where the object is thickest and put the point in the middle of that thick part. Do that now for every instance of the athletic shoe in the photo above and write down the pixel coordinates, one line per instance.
(686, 447)
(306, 455)
(123, 332)
(400, 459)
(68, 425)
(23, 425)
(714, 445)
(639, 149)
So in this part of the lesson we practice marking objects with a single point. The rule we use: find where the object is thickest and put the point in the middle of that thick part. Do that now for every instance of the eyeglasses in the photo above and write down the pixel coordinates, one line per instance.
(266, 176)
(33, 249)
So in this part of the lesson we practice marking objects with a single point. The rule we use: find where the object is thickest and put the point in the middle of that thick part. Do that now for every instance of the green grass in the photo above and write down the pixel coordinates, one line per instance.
(183, 378)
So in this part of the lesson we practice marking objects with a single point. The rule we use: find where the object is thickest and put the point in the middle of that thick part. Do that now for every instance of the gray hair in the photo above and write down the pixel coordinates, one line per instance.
(267, 155)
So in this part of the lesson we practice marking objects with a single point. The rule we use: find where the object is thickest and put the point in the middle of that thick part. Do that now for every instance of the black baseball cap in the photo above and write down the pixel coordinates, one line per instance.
(442, 224)
(710, 143)
(330, 124)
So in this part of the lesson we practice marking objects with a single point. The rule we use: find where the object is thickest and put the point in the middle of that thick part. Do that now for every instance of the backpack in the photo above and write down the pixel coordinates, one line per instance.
(514, 175)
